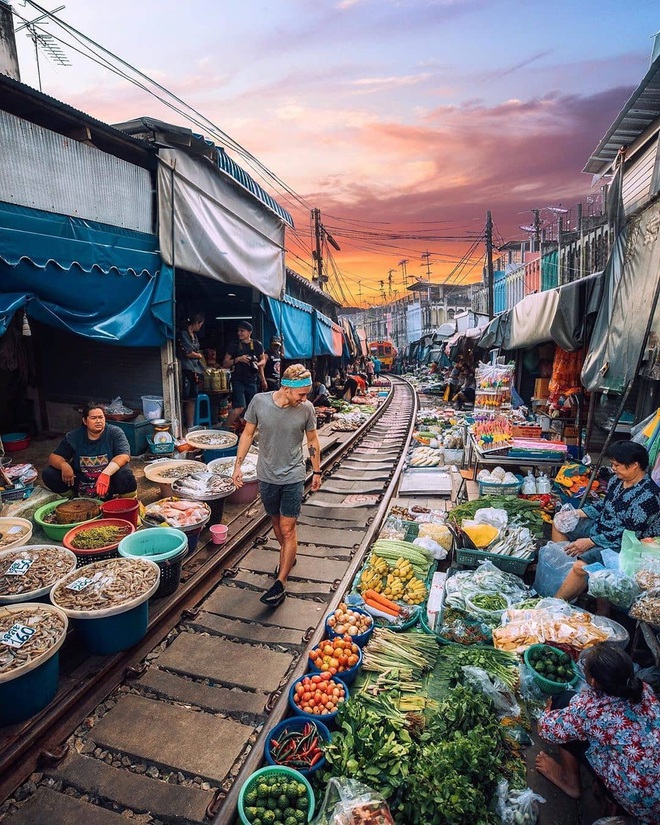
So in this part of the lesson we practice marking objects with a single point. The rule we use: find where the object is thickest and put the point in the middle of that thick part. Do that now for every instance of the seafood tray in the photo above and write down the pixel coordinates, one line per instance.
(46, 629)
(105, 585)
(211, 439)
(180, 513)
(28, 573)
(203, 486)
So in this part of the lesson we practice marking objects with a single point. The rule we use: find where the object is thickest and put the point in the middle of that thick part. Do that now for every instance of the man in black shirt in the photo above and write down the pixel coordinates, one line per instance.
(247, 359)
(273, 368)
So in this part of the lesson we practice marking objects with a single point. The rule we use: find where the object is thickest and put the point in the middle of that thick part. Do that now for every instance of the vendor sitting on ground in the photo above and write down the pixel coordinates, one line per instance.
(613, 728)
(92, 460)
(632, 502)
(466, 394)
(319, 395)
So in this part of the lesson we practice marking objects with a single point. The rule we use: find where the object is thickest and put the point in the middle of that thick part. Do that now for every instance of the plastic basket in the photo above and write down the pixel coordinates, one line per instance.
(547, 685)
(347, 676)
(489, 488)
(326, 718)
(58, 531)
(467, 557)
(296, 723)
(279, 772)
(412, 531)
(362, 638)
(167, 547)
(18, 494)
(160, 449)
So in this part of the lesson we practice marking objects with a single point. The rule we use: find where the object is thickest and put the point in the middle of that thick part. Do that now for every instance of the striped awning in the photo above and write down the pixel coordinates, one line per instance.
(229, 167)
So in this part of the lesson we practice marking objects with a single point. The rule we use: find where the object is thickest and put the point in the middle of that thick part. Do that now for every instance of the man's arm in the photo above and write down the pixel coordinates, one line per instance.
(244, 444)
(314, 449)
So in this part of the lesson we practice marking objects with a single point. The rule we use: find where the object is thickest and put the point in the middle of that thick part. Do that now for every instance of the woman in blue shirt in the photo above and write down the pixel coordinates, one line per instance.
(632, 502)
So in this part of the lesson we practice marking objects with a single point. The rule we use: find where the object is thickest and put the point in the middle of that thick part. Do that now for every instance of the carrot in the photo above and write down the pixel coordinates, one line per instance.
(378, 599)
(381, 607)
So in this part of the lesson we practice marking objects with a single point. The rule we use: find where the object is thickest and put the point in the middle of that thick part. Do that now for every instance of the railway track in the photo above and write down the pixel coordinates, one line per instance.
(165, 732)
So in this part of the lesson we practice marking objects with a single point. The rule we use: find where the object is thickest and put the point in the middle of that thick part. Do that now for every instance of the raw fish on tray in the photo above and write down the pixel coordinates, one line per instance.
(177, 512)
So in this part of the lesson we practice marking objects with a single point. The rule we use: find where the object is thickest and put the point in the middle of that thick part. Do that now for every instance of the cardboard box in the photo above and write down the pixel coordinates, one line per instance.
(527, 431)
(542, 388)
(570, 432)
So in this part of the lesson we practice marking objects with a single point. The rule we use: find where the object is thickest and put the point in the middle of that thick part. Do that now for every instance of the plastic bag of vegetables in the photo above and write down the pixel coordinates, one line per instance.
(348, 802)
(436, 550)
(614, 586)
(516, 807)
(440, 533)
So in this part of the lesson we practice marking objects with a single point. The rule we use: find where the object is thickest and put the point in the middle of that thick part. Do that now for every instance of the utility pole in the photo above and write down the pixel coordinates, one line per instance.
(427, 255)
(489, 264)
(537, 229)
(360, 293)
(389, 280)
(404, 272)
(318, 251)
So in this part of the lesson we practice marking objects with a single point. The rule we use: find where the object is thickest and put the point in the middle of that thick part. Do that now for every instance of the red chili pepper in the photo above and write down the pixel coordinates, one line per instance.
(315, 758)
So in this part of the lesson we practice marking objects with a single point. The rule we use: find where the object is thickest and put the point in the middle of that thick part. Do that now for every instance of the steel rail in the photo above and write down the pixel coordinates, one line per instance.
(40, 742)
(227, 813)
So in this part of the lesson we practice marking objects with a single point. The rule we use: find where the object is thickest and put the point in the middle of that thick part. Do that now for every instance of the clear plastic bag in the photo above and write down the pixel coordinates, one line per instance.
(553, 566)
(432, 546)
(117, 407)
(637, 554)
(348, 802)
(493, 516)
(614, 586)
(566, 519)
(503, 700)
(516, 807)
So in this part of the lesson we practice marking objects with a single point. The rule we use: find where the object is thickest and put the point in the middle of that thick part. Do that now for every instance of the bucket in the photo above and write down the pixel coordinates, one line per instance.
(112, 634)
(32, 686)
(167, 547)
(125, 508)
(245, 494)
(193, 538)
(152, 406)
(211, 455)
(219, 533)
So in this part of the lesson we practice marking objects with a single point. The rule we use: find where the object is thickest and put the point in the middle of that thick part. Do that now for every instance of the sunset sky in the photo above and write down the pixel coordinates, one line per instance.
(393, 117)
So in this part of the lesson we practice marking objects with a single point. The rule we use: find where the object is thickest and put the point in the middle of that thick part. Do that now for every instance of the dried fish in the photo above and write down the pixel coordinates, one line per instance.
(203, 485)
(105, 584)
(216, 439)
(11, 535)
(19, 648)
(225, 467)
(28, 569)
(172, 470)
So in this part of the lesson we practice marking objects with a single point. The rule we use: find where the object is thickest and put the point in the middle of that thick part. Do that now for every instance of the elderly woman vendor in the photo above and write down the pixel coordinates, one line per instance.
(613, 727)
(632, 502)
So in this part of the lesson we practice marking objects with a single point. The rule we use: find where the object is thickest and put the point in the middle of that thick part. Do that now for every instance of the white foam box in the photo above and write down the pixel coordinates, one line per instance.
(435, 599)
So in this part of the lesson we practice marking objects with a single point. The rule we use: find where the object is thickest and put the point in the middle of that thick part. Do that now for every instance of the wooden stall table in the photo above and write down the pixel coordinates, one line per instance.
(500, 458)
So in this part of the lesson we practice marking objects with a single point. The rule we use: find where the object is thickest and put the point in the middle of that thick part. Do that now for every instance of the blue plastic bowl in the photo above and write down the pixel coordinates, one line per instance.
(110, 634)
(26, 695)
(347, 676)
(362, 638)
(327, 718)
(157, 545)
(297, 723)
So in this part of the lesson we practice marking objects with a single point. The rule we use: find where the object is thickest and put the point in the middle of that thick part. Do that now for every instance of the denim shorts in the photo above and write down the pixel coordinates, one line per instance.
(282, 499)
(242, 393)
(582, 531)
(189, 389)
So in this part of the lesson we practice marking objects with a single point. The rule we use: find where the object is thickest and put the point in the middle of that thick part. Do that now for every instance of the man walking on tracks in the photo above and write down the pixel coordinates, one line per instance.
(283, 418)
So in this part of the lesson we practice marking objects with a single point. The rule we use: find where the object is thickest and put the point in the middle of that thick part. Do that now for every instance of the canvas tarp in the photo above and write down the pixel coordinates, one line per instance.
(328, 336)
(98, 281)
(294, 322)
(631, 280)
(220, 231)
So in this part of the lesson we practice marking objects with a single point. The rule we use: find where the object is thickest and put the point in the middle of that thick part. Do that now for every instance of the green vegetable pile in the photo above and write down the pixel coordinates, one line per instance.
(495, 662)
(95, 537)
(521, 512)
(273, 801)
(489, 601)
(553, 664)
(443, 772)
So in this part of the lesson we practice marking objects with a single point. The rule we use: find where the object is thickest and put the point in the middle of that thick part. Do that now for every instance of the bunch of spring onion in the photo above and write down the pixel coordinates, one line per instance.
(412, 654)
(392, 550)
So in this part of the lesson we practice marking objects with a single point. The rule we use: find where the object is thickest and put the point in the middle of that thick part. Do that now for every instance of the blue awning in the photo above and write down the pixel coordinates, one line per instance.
(294, 322)
(97, 281)
(227, 165)
(328, 336)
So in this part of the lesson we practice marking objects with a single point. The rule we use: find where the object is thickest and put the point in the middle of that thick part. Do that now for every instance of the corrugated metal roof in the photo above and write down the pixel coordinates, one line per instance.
(640, 111)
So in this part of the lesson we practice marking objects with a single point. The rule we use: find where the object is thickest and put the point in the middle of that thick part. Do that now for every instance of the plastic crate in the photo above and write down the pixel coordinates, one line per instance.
(160, 449)
(468, 557)
(489, 488)
(548, 685)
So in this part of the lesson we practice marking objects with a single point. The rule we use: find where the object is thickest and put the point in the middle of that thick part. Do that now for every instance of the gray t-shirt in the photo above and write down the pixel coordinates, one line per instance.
(281, 434)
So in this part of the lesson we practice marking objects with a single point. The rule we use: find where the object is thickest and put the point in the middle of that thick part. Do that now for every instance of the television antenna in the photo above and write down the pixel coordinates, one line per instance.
(45, 41)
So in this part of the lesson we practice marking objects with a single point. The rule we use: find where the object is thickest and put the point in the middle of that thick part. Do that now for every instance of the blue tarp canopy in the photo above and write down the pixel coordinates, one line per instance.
(98, 281)
(328, 336)
(294, 322)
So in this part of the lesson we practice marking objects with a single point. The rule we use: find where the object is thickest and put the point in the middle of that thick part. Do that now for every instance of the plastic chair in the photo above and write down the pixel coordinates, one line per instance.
(203, 410)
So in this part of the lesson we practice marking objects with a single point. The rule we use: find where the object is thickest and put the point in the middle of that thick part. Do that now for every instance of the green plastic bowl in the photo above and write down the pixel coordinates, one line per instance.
(547, 685)
(58, 531)
(287, 774)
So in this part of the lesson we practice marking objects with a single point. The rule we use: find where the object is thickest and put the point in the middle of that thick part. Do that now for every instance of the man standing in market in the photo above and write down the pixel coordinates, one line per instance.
(247, 360)
(283, 419)
(91, 460)
(273, 368)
